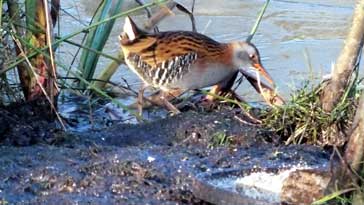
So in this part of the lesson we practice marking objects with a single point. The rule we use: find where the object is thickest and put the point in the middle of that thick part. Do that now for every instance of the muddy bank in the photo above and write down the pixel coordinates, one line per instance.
(151, 163)
(23, 124)
(190, 125)
(44, 174)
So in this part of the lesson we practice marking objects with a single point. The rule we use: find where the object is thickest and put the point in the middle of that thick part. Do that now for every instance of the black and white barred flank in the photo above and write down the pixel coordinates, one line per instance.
(164, 73)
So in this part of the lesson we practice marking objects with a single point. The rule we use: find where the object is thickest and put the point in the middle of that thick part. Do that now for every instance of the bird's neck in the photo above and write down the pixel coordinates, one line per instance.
(225, 54)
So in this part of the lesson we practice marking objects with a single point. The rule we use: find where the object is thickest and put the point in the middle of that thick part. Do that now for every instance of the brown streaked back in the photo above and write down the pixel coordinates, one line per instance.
(157, 48)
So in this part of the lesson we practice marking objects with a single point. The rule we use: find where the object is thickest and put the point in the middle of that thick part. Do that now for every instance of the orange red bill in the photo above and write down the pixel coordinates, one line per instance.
(263, 72)
(269, 94)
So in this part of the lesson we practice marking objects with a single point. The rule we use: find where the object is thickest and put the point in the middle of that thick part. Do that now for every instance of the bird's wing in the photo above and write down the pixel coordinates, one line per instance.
(158, 51)
(161, 57)
(154, 50)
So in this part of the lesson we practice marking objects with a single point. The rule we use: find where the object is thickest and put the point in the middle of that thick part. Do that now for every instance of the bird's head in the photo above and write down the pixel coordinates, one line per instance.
(246, 57)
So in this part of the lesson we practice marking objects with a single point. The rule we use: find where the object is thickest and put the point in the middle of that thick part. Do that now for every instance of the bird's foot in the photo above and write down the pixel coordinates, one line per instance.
(169, 106)
(208, 103)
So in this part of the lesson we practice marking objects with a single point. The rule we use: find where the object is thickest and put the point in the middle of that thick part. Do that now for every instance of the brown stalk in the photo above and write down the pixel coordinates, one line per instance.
(23, 71)
(354, 153)
(346, 61)
(52, 88)
(38, 81)
(39, 40)
(38, 37)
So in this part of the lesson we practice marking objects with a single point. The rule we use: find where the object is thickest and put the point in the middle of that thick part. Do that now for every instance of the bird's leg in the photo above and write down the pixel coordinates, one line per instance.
(167, 104)
(208, 101)
(155, 98)
(168, 95)
(224, 87)
(140, 99)
(220, 89)
(215, 90)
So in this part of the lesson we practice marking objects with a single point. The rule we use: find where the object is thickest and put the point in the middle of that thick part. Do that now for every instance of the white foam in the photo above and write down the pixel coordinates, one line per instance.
(260, 185)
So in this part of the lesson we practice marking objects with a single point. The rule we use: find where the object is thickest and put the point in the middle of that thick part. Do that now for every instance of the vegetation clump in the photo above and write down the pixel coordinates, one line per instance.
(302, 119)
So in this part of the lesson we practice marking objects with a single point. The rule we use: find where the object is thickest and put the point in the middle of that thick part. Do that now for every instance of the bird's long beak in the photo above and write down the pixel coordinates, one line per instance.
(263, 72)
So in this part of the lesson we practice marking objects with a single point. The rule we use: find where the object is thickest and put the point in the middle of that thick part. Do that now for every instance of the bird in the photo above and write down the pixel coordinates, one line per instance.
(184, 60)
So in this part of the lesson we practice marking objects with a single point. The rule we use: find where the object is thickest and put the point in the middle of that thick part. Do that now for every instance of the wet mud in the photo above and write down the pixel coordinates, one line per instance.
(149, 163)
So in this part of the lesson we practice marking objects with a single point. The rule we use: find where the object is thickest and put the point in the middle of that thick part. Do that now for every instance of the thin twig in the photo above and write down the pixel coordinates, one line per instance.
(141, 3)
(190, 14)
(256, 121)
(149, 13)
(347, 166)
(158, 16)
(127, 87)
(206, 26)
(193, 6)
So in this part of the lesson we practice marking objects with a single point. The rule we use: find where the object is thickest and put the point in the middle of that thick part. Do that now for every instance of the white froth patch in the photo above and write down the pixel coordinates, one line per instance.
(266, 186)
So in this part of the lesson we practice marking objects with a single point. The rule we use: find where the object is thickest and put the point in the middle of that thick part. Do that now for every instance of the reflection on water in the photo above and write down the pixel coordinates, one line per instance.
(289, 29)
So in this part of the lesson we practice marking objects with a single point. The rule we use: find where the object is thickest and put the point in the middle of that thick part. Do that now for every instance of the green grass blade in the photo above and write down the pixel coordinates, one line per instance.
(96, 39)
(30, 12)
(332, 196)
(257, 22)
(105, 55)
(1, 14)
(107, 73)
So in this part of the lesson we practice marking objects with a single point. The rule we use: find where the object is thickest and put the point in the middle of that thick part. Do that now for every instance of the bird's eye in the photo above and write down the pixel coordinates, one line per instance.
(252, 56)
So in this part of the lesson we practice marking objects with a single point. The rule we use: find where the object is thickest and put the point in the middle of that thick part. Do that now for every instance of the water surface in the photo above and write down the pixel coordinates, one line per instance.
(298, 39)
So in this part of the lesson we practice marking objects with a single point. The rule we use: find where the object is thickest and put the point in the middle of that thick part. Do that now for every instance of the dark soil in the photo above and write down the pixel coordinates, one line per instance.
(26, 124)
(149, 163)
